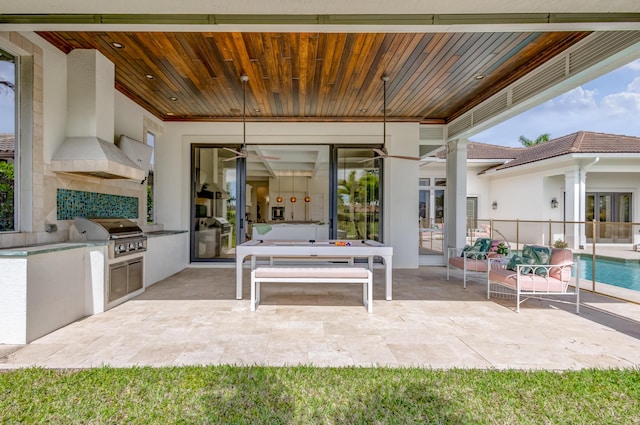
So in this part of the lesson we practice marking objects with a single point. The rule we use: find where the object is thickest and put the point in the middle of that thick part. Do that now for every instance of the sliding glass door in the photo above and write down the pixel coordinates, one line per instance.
(281, 192)
(612, 211)
(359, 194)
(214, 204)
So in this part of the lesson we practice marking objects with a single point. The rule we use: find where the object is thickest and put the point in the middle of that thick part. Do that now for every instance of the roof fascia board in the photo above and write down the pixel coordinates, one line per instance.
(555, 161)
(334, 22)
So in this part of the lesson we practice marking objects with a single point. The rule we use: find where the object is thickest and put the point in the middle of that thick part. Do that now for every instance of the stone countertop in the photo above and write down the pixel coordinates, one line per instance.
(25, 251)
(158, 233)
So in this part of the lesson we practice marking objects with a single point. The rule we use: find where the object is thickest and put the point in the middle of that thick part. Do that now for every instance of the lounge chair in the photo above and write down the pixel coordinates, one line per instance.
(473, 259)
(529, 276)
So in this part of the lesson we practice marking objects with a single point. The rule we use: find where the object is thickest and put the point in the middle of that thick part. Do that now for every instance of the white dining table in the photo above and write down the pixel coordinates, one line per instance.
(368, 249)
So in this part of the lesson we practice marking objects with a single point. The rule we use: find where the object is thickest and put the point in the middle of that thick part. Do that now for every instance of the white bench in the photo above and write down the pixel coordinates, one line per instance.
(266, 274)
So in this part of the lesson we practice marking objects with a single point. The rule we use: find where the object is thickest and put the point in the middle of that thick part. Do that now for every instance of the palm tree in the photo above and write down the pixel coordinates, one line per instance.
(541, 139)
(4, 84)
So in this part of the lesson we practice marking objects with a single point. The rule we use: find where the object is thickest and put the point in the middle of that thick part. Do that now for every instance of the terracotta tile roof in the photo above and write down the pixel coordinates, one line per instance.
(7, 142)
(477, 150)
(580, 142)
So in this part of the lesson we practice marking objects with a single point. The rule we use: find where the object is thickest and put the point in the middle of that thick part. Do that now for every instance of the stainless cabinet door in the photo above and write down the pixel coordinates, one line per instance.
(117, 281)
(135, 276)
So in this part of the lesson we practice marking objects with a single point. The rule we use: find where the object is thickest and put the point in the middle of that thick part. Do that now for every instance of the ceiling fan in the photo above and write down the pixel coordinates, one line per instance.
(381, 153)
(244, 152)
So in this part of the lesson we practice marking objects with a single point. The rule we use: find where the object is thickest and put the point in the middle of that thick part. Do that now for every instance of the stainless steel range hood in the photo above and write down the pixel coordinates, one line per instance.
(95, 157)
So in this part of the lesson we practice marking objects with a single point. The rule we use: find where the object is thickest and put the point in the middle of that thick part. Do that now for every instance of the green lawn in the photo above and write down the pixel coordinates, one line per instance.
(308, 395)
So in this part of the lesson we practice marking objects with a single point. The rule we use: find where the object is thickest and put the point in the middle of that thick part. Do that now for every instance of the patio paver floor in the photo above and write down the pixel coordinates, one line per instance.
(194, 318)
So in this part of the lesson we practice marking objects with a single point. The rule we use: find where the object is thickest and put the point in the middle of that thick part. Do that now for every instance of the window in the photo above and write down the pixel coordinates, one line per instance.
(8, 108)
(151, 216)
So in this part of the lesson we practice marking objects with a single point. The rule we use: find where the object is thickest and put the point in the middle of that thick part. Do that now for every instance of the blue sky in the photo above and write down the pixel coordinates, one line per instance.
(609, 104)
(7, 113)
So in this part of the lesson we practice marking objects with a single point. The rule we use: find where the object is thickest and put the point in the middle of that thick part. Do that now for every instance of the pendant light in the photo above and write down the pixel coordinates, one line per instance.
(279, 198)
(293, 198)
(307, 198)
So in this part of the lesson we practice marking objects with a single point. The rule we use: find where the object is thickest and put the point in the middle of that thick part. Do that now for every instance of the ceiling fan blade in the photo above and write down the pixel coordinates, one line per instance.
(380, 152)
(234, 151)
(273, 158)
(411, 158)
(232, 158)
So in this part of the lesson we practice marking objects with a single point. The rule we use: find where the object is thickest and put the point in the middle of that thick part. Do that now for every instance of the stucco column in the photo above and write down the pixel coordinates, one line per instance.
(456, 196)
(574, 204)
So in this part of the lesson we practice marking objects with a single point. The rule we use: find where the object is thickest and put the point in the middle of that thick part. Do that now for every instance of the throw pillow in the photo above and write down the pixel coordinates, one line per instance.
(540, 255)
(479, 249)
(518, 260)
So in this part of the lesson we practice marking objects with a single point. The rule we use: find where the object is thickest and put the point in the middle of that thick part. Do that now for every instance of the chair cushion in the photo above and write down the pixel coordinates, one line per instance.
(561, 257)
(472, 265)
(528, 283)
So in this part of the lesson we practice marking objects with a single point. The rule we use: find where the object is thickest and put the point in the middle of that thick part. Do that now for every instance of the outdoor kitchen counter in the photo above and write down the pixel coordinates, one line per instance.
(167, 254)
(44, 287)
(45, 248)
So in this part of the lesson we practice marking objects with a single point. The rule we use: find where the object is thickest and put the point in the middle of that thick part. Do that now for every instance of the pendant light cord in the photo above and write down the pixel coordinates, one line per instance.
(384, 79)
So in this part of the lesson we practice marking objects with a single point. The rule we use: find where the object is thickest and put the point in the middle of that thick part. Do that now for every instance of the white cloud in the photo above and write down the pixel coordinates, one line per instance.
(621, 103)
(635, 65)
(634, 86)
(578, 98)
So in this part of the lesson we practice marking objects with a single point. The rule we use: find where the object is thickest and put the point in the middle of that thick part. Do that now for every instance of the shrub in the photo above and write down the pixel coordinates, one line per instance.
(560, 244)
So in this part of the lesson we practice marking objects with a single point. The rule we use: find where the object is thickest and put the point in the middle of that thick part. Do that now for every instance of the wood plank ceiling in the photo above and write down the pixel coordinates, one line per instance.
(434, 77)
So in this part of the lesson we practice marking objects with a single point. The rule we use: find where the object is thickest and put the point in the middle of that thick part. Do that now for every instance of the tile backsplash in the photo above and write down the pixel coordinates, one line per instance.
(75, 203)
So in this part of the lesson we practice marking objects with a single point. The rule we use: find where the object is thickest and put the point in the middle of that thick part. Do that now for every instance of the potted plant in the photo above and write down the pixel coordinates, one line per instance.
(502, 249)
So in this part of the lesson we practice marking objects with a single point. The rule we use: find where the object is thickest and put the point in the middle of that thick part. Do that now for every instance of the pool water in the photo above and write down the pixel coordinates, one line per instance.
(617, 273)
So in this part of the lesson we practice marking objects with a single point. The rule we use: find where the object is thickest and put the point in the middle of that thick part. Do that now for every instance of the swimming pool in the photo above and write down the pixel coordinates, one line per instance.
(617, 273)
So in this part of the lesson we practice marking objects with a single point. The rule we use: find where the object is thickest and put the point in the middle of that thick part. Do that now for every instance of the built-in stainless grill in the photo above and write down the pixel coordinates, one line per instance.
(125, 236)
(125, 260)
(213, 237)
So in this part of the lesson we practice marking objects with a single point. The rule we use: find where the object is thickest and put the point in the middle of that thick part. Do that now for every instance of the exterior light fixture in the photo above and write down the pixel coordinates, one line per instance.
(149, 77)
(117, 45)
(554, 203)
(494, 205)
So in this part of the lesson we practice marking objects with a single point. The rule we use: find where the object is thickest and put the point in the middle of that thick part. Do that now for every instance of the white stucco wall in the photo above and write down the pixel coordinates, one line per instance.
(129, 118)
(479, 188)
(54, 95)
